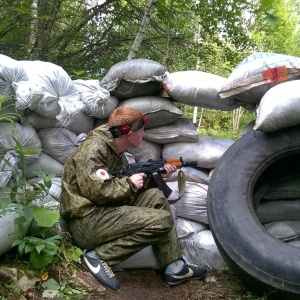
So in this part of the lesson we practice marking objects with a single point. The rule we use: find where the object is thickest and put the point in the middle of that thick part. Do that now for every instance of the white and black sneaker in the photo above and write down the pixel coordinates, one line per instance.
(100, 269)
(187, 272)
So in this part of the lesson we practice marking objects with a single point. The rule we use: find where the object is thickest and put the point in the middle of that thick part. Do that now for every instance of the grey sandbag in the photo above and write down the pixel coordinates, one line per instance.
(284, 187)
(59, 143)
(193, 174)
(283, 229)
(134, 78)
(159, 110)
(197, 88)
(25, 134)
(80, 123)
(147, 150)
(207, 151)
(278, 210)
(279, 107)
(181, 130)
(201, 249)
(46, 163)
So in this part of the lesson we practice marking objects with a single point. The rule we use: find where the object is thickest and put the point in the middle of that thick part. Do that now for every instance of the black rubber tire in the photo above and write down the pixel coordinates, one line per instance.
(262, 262)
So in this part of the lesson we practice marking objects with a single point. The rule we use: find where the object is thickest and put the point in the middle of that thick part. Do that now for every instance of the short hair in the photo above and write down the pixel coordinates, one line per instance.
(124, 116)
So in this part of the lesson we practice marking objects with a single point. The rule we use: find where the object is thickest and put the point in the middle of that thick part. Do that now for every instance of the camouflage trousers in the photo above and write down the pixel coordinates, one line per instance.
(118, 232)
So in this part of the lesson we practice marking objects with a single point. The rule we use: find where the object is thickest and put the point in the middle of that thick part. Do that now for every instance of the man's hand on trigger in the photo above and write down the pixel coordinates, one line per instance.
(169, 170)
(137, 180)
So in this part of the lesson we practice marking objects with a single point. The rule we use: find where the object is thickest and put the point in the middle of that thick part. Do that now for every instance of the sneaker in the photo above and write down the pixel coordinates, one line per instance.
(100, 269)
(188, 272)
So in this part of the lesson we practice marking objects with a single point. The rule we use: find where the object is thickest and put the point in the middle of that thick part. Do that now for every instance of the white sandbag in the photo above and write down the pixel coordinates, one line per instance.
(46, 163)
(181, 130)
(49, 91)
(97, 100)
(199, 175)
(147, 150)
(207, 151)
(10, 71)
(283, 229)
(59, 143)
(144, 259)
(197, 88)
(201, 249)
(134, 78)
(259, 72)
(80, 123)
(278, 210)
(25, 134)
(193, 203)
(159, 110)
(10, 231)
(185, 227)
(279, 107)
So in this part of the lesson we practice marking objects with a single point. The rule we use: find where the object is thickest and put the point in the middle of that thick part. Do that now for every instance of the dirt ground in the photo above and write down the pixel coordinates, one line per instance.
(136, 284)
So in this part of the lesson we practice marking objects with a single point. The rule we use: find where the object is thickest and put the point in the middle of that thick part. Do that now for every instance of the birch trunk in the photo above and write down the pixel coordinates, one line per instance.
(33, 25)
(142, 30)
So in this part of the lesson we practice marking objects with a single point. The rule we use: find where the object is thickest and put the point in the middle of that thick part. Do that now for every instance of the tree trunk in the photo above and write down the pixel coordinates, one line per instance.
(167, 53)
(236, 115)
(143, 28)
(33, 26)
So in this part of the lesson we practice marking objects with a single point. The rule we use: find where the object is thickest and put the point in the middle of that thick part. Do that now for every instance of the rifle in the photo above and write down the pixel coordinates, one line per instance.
(153, 169)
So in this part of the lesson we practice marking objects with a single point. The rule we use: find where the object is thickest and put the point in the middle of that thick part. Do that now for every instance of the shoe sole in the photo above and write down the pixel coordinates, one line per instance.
(186, 279)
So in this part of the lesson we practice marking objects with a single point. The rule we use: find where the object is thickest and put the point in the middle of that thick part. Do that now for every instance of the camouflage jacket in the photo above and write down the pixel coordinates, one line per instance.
(86, 183)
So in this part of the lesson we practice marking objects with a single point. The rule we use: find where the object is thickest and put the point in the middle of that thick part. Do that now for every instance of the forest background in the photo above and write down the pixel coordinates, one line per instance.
(87, 37)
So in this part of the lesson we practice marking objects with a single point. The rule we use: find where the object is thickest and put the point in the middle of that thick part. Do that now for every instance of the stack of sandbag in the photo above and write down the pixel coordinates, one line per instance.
(139, 84)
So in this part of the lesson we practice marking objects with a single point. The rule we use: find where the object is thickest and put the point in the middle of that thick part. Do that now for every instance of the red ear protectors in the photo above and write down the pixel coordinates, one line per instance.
(124, 129)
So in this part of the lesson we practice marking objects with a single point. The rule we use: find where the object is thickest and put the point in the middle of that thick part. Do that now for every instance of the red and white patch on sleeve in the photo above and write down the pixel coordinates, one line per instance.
(102, 174)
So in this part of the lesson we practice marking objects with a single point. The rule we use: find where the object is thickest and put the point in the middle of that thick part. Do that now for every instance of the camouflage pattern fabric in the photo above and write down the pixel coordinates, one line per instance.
(105, 213)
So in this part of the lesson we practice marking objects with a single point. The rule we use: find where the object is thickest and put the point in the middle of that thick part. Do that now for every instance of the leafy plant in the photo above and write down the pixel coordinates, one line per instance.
(63, 290)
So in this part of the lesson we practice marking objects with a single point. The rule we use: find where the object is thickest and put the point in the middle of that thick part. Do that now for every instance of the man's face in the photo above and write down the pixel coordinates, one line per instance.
(136, 137)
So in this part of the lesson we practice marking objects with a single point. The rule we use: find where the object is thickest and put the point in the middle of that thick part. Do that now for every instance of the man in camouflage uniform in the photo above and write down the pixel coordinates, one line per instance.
(113, 218)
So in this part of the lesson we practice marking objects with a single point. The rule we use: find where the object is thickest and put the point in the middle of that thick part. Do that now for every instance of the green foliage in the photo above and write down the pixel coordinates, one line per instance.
(63, 290)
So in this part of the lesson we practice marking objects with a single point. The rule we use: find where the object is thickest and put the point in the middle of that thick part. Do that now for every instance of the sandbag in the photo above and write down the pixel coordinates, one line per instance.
(283, 187)
(46, 163)
(147, 150)
(10, 71)
(283, 229)
(8, 168)
(80, 123)
(159, 110)
(279, 107)
(278, 210)
(207, 151)
(201, 249)
(185, 227)
(181, 130)
(134, 78)
(144, 259)
(49, 91)
(60, 143)
(10, 231)
(25, 134)
(193, 203)
(197, 88)
(257, 73)
(97, 100)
